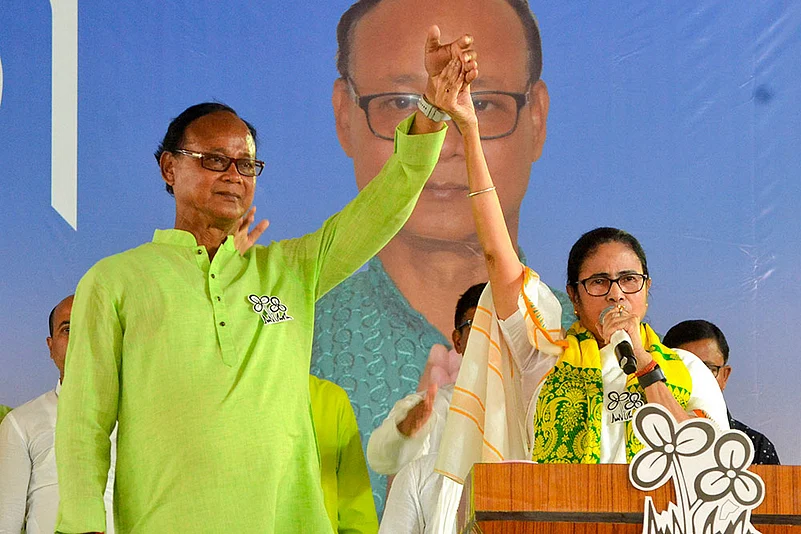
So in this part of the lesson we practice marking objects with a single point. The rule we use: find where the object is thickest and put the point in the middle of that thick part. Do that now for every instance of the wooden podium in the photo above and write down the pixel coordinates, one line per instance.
(596, 499)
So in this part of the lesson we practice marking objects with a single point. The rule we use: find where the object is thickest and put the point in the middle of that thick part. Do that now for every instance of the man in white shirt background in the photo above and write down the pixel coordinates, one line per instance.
(414, 425)
(28, 479)
(407, 441)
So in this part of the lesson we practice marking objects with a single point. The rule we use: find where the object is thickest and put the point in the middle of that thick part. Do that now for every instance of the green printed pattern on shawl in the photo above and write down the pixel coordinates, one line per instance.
(567, 421)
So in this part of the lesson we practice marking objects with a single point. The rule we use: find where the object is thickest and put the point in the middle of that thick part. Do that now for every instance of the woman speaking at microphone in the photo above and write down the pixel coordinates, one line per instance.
(557, 397)
(585, 405)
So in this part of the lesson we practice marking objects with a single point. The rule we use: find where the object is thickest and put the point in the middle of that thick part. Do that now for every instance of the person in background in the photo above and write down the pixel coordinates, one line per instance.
(407, 442)
(28, 478)
(707, 341)
(414, 425)
(346, 483)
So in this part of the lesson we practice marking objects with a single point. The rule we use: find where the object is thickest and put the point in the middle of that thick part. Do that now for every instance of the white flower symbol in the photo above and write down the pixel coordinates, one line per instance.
(733, 453)
(656, 428)
(275, 305)
(259, 302)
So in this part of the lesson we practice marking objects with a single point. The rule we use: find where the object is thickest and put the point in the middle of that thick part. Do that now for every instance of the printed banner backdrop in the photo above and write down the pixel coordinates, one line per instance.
(677, 122)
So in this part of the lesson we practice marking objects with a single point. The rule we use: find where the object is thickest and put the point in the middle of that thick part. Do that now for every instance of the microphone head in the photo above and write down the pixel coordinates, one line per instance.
(604, 312)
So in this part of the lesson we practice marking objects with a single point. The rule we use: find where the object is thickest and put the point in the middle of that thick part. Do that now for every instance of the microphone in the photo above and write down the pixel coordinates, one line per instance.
(622, 342)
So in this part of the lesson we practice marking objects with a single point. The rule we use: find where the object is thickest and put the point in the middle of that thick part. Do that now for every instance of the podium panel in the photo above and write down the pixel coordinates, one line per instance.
(526, 498)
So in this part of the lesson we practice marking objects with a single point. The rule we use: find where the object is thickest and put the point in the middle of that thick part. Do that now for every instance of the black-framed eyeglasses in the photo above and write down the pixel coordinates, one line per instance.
(218, 162)
(714, 369)
(468, 323)
(498, 112)
(600, 286)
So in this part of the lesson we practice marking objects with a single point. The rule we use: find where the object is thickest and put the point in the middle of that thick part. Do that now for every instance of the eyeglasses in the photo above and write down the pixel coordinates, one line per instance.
(497, 111)
(715, 369)
(468, 322)
(600, 286)
(220, 163)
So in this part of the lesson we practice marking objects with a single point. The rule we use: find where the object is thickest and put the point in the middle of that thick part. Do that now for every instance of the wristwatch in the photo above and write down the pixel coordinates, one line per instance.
(652, 377)
(431, 111)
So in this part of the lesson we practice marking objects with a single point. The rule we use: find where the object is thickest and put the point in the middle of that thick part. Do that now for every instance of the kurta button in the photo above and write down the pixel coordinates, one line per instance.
(218, 299)
(212, 276)
(222, 323)
(199, 252)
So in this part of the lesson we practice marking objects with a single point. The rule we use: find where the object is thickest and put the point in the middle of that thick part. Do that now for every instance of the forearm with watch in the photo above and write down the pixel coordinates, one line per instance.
(652, 380)
(428, 118)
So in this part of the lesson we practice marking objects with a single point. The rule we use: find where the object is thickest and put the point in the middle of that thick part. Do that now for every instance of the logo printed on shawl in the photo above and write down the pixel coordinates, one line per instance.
(269, 308)
(621, 405)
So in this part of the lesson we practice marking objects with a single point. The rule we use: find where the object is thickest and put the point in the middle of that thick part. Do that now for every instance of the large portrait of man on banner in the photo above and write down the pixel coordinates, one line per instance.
(375, 331)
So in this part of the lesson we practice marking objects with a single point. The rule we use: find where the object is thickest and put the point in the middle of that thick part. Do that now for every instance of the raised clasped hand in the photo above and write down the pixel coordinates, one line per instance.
(451, 68)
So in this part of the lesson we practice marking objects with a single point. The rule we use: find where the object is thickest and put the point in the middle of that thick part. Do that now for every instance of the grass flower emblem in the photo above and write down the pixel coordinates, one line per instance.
(714, 491)
(259, 302)
(733, 454)
(657, 430)
(270, 309)
(630, 400)
(276, 306)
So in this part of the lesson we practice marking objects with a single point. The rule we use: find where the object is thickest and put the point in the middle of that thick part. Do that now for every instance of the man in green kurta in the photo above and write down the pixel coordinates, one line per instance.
(202, 353)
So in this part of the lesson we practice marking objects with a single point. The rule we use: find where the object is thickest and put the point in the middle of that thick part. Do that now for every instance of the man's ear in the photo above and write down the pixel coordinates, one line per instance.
(723, 376)
(167, 166)
(50, 348)
(456, 337)
(539, 104)
(342, 103)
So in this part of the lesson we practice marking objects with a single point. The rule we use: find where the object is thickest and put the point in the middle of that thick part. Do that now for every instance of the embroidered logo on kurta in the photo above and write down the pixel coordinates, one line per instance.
(621, 405)
(270, 309)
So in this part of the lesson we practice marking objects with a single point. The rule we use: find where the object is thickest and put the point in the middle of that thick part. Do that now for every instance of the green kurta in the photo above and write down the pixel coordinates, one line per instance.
(205, 365)
(346, 484)
(3, 412)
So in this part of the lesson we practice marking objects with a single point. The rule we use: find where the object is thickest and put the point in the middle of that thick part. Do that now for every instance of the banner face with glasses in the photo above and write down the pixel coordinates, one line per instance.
(679, 125)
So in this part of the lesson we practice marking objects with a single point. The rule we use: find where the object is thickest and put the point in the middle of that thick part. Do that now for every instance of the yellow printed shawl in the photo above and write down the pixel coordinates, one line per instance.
(567, 421)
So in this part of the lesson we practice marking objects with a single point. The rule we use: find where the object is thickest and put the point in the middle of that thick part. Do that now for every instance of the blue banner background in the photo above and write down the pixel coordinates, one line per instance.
(679, 122)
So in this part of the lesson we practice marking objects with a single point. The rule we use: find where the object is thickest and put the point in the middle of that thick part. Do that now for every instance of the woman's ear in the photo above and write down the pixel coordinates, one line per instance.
(574, 298)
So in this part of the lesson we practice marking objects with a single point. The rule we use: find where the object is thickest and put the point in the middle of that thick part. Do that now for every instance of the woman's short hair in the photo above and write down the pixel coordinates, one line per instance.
(589, 243)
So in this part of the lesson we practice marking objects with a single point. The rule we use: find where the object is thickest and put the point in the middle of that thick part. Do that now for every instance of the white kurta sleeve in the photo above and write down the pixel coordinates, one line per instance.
(388, 450)
(15, 475)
